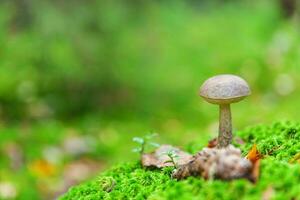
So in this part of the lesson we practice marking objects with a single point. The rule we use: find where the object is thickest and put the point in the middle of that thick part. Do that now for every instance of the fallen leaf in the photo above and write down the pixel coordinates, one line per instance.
(255, 172)
(42, 168)
(253, 155)
(159, 158)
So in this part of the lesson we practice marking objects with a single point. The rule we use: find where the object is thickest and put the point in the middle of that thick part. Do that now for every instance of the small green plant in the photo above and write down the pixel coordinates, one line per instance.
(173, 157)
(144, 142)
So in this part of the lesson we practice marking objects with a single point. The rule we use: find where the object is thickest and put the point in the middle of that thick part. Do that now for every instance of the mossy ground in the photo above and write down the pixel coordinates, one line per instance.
(279, 142)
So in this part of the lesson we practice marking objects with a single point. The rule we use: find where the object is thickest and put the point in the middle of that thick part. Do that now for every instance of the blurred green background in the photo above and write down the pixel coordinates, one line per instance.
(79, 79)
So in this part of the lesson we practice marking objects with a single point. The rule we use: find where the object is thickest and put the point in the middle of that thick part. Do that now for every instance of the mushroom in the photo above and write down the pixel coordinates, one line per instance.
(224, 90)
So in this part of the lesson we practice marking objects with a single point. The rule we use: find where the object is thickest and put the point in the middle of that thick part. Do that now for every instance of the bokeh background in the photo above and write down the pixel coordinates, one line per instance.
(80, 78)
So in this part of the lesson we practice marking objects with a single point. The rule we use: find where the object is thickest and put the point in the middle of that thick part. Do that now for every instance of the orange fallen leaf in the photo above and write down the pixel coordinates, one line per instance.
(253, 155)
(255, 172)
(42, 168)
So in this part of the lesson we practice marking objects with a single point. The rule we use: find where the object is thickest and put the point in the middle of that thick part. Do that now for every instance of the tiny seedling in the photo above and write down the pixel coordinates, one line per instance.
(143, 142)
(173, 157)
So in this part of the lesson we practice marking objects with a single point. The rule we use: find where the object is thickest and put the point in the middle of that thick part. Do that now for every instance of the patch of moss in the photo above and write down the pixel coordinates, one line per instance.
(279, 142)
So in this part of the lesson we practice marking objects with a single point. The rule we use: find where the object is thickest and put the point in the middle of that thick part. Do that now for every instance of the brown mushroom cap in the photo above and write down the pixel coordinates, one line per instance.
(224, 89)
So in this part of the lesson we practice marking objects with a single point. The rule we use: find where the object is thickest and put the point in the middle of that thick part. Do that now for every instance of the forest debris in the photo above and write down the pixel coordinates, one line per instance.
(253, 155)
(210, 163)
(225, 163)
(255, 172)
(159, 157)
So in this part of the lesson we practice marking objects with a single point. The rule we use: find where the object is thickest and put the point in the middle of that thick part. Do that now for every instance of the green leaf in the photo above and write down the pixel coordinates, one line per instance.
(138, 140)
(154, 144)
(137, 150)
(151, 135)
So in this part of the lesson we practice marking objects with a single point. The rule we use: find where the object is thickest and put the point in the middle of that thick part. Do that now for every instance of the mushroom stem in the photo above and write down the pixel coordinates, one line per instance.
(225, 128)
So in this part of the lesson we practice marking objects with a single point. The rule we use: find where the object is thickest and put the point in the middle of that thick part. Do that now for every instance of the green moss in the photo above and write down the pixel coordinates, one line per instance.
(279, 142)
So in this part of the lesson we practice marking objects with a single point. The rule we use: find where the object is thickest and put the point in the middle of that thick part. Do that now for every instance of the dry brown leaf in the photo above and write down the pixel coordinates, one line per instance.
(159, 158)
